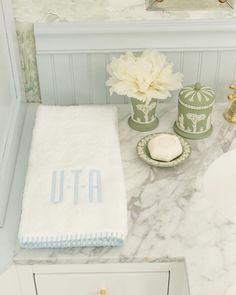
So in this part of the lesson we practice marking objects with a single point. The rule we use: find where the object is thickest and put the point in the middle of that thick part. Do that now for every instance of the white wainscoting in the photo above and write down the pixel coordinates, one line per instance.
(72, 58)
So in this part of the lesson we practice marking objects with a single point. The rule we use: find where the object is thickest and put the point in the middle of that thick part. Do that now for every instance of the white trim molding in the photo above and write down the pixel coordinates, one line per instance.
(174, 35)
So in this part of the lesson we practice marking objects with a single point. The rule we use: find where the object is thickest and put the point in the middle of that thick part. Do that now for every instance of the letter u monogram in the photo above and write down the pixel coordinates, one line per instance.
(57, 187)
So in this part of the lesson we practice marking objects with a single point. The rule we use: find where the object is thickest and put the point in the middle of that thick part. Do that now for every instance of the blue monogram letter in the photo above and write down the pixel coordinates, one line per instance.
(57, 189)
(95, 185)
(76, 185)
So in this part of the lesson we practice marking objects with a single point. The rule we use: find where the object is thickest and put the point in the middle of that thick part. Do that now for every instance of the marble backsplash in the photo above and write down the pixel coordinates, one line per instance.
(28, 12)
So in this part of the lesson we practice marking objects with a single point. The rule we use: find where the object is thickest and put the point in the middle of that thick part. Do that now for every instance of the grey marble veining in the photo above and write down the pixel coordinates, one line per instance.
(169, 217)
(76, 10)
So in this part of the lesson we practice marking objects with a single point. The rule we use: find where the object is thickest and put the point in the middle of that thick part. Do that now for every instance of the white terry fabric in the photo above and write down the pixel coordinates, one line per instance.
(67, 139)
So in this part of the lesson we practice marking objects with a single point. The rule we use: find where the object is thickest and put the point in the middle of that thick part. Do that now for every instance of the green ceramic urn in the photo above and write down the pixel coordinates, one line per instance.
(194, 111)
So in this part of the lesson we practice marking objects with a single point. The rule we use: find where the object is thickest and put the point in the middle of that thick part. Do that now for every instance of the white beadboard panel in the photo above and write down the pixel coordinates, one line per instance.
(72, 58)
(98, 78)
(64, 78)
(176, 58)
(81, 78)
(70, 79)
(226, 73)
(208, 69)
(234, 73)
(191, 64)
(47, 78)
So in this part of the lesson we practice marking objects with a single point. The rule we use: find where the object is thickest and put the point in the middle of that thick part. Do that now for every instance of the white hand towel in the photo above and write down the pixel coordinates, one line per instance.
(74, 192)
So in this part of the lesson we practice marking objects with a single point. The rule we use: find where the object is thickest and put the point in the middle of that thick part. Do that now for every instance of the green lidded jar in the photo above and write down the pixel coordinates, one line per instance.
(194, 111)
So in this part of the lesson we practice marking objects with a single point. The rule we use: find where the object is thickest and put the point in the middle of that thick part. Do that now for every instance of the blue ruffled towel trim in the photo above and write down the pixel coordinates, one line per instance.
(70, 241)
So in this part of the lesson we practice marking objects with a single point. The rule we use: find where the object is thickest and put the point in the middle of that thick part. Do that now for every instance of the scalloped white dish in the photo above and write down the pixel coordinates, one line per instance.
(143, 152)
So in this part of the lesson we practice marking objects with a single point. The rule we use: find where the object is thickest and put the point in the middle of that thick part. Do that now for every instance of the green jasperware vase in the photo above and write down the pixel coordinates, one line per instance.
(195, 106)
(143, 116)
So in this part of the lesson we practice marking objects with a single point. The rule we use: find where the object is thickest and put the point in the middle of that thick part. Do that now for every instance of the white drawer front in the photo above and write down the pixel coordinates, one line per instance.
(128, 283)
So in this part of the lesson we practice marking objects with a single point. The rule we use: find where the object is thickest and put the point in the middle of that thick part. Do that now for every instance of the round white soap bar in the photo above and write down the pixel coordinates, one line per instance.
(165, 147)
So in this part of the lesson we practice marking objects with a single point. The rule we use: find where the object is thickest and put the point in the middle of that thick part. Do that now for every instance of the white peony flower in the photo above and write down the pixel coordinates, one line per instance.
(144, 77)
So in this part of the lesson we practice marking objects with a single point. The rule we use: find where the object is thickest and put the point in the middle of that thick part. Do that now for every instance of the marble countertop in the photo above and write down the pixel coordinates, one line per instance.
(169, 217)
(76, 10)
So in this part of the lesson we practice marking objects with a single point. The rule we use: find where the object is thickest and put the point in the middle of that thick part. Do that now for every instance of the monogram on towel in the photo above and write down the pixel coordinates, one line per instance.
(74, 192)
(86, 184)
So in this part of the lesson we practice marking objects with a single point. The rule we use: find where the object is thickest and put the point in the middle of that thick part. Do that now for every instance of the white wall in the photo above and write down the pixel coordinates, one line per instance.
(9, 284)
(7, 95)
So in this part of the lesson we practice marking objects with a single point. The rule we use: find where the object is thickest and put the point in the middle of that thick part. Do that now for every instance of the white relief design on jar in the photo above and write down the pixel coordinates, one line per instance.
(199, 97)
(145, 109)
(181, 122)
(190, 94)
(196, 107)
(208, 122)
(153, 117)
(195, 119)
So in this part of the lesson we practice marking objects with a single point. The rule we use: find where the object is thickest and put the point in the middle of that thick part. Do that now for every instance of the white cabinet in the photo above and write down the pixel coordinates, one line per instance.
(116, 279)
(127, 283)
(9, 283)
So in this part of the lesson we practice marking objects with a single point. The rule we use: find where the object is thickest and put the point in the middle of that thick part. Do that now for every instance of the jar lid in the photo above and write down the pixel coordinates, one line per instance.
(197, 95)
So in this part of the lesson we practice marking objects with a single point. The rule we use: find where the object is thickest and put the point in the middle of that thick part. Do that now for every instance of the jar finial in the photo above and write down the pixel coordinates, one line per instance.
(197, 86)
